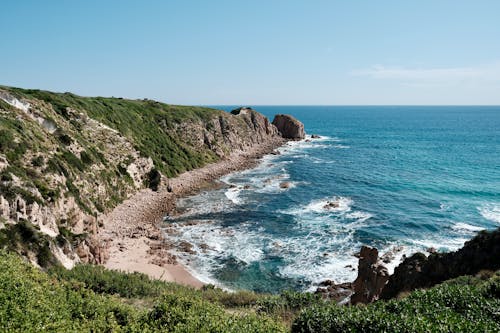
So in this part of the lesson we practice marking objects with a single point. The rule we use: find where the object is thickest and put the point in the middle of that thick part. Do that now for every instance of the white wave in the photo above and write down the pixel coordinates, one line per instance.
(443, 206)
(214, 243)
(359, 216)
(336, 204)
(461, 226)
(341, 146)
(317, 160)
(322, 138)
(490, 212)
(440, 243)
(233, 195)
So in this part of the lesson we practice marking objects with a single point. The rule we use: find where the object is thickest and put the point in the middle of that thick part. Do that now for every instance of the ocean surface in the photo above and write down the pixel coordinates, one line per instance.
(399, 178)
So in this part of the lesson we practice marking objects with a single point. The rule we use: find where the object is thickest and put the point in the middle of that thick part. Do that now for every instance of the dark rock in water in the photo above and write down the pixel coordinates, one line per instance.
(335, 292)
(247, 187)
(285, 185)
(372, 277)
(289, 127)
(327, 283)
(419, 271)
(331, 204)
(275, 152)
(186, 247)
(315, 136)
(308, 140)
(241, 110)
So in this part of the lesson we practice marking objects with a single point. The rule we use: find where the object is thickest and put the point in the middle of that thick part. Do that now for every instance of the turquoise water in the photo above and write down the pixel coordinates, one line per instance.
(407, 177)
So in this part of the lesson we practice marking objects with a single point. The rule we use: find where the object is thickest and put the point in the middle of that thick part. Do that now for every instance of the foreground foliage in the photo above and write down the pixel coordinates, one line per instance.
(462, 305)
(32, 301)
(91, 298)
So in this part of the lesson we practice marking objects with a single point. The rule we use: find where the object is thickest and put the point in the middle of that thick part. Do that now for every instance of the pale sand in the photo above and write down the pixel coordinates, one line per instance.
(132, 232)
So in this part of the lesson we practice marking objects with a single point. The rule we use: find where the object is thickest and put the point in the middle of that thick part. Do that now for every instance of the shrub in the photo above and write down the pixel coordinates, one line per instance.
(37, 161)
(153, 179)
(449, 307)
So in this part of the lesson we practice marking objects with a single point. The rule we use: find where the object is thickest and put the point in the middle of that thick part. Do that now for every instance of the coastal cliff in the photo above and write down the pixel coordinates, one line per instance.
(67, 161)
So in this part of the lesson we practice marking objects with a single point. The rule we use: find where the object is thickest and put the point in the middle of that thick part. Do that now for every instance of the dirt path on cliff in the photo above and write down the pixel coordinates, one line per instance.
(132, 233)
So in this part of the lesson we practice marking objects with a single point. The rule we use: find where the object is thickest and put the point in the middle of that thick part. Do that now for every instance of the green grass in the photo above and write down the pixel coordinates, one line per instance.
(149, 124)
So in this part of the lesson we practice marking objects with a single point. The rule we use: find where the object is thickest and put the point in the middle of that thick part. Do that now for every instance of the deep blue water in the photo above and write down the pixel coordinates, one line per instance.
(415, 177)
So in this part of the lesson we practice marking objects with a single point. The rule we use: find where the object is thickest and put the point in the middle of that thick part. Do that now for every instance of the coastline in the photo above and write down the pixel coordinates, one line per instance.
(131, 231)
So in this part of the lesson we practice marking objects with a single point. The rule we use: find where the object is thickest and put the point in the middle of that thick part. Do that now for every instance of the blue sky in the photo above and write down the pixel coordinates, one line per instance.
(257, 52)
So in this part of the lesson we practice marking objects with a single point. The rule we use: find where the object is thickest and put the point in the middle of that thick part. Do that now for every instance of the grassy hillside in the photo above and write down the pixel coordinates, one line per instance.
(67, 159)
(92, 298)
(150, 125)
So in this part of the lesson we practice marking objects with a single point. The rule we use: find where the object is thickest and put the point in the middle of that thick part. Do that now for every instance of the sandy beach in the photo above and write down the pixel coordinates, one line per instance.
(132, 233)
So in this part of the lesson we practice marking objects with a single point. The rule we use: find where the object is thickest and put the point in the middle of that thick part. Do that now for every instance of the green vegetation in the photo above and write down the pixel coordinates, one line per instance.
(33, 301)
(93, 298)
(23, 238)
(464, 305)
(149, 124)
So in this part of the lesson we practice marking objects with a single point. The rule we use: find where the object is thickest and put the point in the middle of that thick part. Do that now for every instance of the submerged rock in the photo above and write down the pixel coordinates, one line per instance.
(289, 127)
(331, 204)
(285, 185)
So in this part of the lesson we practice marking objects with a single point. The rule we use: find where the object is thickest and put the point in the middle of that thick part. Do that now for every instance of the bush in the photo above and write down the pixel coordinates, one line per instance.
(450, 307)
(153, 179)
(37, 161)
(32, 301)
(181, 314)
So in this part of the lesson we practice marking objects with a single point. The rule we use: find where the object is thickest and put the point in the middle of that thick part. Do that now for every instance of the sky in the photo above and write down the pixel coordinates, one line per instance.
(271, 52)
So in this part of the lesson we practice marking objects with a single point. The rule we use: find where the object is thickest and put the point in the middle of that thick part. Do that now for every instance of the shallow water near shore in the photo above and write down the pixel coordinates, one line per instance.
(405, 178)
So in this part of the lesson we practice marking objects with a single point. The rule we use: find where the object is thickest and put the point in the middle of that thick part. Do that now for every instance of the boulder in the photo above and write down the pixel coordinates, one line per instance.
(331, 205)
(285, 185)
(315, 136)
(289, 127)
(338, 293)
(372, 277)
(242, 110)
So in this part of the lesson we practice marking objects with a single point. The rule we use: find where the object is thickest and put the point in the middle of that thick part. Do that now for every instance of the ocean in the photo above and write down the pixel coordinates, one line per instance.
(400, 178)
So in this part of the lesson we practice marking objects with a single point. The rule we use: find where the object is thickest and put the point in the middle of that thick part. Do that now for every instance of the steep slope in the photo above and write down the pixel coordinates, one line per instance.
(420, 271)
(66, 160)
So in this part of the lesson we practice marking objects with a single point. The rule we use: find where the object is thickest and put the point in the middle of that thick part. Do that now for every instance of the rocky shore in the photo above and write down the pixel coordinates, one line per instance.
(132, 233)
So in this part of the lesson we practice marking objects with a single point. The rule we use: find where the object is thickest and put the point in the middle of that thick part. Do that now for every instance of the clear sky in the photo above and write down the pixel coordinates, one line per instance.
(256, 52)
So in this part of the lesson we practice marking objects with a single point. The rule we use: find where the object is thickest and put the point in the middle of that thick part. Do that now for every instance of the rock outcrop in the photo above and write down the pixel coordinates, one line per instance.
(420, 271)
(372, 277)
(289, 127)
(338, 293)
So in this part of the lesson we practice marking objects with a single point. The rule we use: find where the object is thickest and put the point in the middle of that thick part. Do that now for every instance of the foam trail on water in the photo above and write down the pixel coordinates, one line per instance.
(490, 212)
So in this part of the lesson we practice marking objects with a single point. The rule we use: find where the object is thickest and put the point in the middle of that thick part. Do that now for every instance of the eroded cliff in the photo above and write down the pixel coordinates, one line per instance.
(66, 161)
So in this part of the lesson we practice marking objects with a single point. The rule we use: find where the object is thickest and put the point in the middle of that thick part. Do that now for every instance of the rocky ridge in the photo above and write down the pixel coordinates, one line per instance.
(66, 161)
(415, 272)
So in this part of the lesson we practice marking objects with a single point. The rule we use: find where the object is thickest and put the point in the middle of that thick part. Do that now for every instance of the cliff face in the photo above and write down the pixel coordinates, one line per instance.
(289, 127)
(66, 160)
(419, 271)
